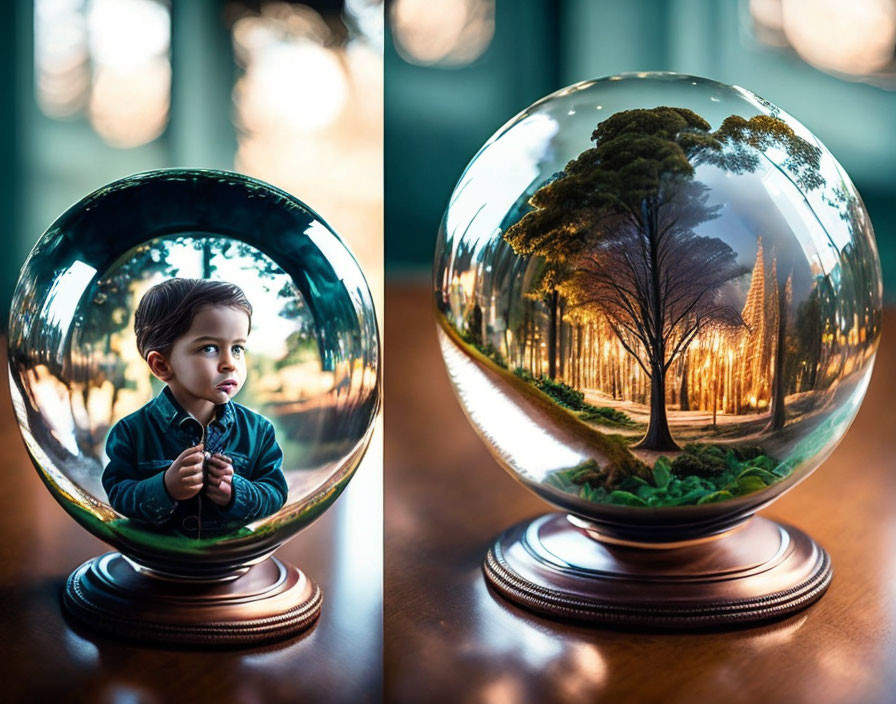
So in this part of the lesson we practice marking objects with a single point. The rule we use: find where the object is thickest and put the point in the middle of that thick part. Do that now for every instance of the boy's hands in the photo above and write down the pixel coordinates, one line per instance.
(220, 479)
(183, 478)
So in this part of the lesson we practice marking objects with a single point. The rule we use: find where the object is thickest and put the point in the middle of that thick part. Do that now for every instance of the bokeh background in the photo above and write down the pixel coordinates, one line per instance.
(98, 89)
(291, 93)
(459, 69)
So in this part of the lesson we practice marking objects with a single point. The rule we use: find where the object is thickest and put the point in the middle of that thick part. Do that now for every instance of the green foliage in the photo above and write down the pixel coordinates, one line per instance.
(715, 496)
(563, 394)
(700, 460)
(625, 498)
(746, 452)
(606, 415)
(662, 473)
(736, 471)
(568, 397)
(487, 349)
(524, 374)
(744, 139)
(587, 471)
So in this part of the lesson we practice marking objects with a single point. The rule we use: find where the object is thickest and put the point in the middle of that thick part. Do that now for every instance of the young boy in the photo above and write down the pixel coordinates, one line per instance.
(191, 461)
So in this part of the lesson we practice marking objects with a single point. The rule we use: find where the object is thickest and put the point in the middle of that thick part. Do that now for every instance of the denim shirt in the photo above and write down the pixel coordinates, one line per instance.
(143, 445)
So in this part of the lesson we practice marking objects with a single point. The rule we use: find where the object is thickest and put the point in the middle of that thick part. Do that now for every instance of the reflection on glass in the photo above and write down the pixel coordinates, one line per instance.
(683, 294)
(312, 353)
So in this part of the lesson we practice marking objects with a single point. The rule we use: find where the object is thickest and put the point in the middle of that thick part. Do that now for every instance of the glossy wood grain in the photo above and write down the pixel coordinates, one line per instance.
(44, 657)
(449, 635)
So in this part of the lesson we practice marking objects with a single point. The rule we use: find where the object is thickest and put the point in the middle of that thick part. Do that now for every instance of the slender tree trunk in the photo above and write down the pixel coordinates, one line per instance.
(523, 341)
(553, 305)
(778, 415)
(684, 401)
(561, 347)
(715, 401)
(579, 361)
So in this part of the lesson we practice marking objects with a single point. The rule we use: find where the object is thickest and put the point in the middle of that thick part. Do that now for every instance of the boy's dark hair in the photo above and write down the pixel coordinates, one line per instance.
(166, 311)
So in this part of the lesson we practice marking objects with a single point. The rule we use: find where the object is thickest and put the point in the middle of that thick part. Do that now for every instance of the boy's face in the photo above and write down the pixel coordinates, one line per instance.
(208, 362)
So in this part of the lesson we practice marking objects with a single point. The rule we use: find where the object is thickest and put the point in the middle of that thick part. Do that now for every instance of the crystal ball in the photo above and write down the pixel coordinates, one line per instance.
(659, 302)
(311, 355)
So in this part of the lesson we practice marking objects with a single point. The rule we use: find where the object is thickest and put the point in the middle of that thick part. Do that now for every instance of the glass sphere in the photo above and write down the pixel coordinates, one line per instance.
(659, 301)
(312, 354)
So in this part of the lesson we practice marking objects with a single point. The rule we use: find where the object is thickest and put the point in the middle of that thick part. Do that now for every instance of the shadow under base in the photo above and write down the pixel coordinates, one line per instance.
(558, 566)
(271, 600)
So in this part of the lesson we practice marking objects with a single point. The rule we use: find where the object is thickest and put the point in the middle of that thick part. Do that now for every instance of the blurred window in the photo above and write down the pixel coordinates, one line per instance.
(852, 39)
(108, 60)
(447, 33)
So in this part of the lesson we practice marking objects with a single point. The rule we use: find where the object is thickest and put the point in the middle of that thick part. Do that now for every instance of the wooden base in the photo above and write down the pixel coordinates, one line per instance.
(272, 600)
(755, 572)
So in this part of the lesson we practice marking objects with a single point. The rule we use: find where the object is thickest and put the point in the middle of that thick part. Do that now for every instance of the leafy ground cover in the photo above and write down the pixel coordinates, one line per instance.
(702, 474)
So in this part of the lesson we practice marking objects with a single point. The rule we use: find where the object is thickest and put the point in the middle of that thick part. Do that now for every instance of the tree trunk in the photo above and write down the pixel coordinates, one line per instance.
(684, 402)
(580, 377)
(561, 347)
(658, 436)
(778, 415)
(553, 305)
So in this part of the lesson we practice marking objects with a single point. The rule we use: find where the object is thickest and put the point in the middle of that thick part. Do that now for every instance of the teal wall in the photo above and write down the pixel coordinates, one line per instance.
(436, 119)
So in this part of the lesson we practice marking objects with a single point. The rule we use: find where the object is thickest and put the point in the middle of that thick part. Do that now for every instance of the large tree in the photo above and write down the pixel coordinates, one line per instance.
(616, 227)
(658, 288)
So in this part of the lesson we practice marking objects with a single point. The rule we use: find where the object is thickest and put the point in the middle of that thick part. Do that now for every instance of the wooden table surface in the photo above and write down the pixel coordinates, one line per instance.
(46, 658)
(449, 635)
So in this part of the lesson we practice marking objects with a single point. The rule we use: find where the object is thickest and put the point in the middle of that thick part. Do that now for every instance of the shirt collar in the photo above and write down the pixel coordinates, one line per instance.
(167, 410)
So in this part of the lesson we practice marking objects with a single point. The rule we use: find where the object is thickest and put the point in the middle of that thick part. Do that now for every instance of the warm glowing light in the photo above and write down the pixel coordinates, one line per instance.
(127, 33)
(728, 369)
(130, 108)
(856, 37)
(304, 101)
(291, 85)
(444, 32)
(129, 43)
